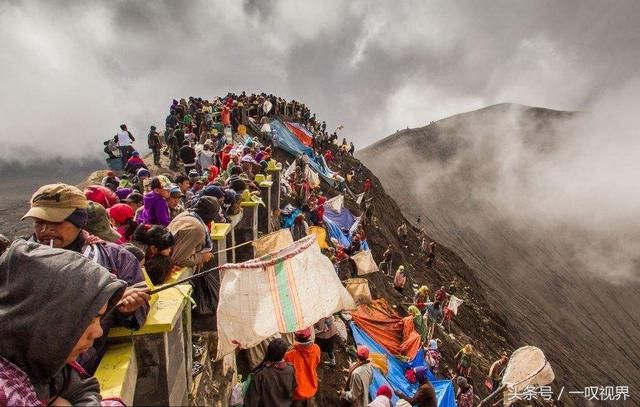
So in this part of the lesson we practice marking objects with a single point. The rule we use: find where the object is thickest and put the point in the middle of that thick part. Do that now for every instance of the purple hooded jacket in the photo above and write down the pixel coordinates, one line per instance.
(156, 210)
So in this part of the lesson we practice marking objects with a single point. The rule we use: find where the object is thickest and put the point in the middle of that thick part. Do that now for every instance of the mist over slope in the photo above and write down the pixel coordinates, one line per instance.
(539, 203)
(20, 179)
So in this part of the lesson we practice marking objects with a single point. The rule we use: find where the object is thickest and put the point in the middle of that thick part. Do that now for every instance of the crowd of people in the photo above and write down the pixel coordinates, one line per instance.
(83, 268)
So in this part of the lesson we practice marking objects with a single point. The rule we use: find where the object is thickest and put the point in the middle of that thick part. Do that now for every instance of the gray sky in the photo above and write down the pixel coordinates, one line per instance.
(73, 71)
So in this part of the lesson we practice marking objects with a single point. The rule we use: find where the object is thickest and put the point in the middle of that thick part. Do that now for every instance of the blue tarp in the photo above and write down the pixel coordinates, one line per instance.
(341, 226)
(283, 138)
(395, 377)
(287, 220)
(334, 231)
(344, 219)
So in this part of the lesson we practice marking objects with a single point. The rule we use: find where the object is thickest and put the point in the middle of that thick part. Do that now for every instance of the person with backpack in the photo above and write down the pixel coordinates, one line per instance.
(125, 143)
(154, 144)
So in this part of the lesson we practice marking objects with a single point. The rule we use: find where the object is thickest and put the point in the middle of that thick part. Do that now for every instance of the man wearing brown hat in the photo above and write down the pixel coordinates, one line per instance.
(60, 217)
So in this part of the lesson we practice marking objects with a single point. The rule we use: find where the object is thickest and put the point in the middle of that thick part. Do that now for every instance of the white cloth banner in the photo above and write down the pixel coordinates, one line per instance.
(454, 303)
(335, 204)
(280, 292)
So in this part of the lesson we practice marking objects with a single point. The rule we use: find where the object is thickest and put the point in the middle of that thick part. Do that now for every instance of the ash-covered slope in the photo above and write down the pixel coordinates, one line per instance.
(472, 178)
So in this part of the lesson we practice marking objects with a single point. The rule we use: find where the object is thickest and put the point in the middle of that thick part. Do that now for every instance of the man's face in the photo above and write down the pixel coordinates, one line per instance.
(185, 185)
(173, 201)
(62, 233)
(93, 332)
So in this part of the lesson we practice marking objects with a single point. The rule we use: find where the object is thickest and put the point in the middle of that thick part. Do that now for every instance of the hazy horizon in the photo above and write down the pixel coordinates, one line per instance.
(83, 68)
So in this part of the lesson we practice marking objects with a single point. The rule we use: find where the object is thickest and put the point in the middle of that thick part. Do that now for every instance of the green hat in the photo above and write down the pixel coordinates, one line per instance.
(99, 224)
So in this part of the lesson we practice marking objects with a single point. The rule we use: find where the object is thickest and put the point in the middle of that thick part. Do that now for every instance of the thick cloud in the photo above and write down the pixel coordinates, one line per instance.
(73, 71)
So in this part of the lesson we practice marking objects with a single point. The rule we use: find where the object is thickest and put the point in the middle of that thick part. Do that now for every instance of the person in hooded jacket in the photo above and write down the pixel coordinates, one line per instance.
(134, 163)
(60, 217)
(305, 358)
(425, 396)
(51, 303)
(190, 229)
(156, 210)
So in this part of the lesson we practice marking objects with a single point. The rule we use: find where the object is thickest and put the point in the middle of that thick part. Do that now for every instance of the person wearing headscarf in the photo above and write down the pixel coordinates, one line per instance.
(418, 322)
(465, 360)
(190, 229)
(51, 304)
(383, 397)
(305, 358)
(121, 216)
(359, 379)
(400, 279)
(433, 356)
(273, 381)
(422, 298)
(425, 396)
(464, 396)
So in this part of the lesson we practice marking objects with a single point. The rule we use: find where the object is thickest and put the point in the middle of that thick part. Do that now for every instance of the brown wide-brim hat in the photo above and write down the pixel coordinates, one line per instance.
(56, 202)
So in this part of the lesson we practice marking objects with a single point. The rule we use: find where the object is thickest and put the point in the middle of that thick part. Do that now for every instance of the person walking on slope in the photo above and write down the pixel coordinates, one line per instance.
(425, 396)
(400, 279)
(386, 264)
(497, 371)
(402, 232)
(433, 356)
(360, 376)
(464, 396)
(464, 357)
(422, 298)
(305, 358)
(431, 254)
(273, 381)
(326, 333)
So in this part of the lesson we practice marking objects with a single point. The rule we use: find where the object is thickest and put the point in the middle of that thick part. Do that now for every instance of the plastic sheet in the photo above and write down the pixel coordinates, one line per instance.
(395, 377)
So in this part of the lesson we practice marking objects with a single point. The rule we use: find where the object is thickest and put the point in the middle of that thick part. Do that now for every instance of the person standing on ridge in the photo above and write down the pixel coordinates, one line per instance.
(125, 143)
(154, 144)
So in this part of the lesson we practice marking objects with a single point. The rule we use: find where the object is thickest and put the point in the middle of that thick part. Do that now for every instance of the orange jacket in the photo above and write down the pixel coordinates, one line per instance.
(305, 360)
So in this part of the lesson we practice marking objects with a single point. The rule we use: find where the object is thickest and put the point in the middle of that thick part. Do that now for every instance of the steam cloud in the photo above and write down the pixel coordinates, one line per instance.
(73, 71)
